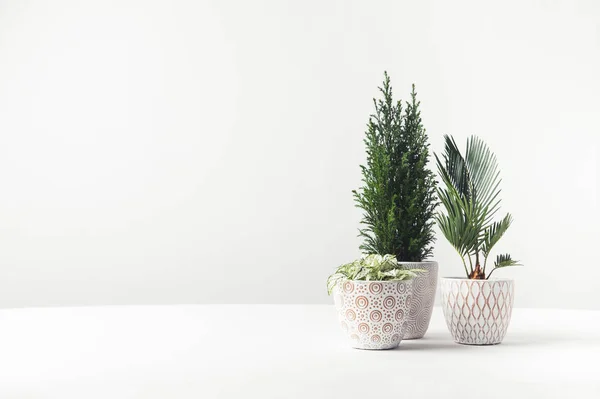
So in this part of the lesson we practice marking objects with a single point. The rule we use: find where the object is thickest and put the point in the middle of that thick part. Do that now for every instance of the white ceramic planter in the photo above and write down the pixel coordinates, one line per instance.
(424, 289)
(477, 312)
(373, 314)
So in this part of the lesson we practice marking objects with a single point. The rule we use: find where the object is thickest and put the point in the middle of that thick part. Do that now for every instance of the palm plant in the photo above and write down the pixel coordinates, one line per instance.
(471, 198)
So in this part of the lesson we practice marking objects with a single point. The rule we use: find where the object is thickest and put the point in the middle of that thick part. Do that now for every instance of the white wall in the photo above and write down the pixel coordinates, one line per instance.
(183, 151)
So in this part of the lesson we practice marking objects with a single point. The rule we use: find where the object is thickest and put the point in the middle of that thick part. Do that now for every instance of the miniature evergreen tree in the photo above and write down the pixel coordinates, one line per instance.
(398, 192)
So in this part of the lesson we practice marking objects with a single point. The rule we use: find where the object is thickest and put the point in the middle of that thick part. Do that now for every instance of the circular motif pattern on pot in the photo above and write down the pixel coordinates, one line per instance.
(362, 302)
(399, 315)
(401, 287)
(387, 328)
(350, 315)
(376, 316)
(363, 328)
(366, 313)
(389, 302)
(348, 287)
(375, 288)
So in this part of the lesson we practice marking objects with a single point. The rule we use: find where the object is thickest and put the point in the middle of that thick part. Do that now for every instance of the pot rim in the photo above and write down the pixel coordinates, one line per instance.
(431, 262)
(379, 281)
(477, 280)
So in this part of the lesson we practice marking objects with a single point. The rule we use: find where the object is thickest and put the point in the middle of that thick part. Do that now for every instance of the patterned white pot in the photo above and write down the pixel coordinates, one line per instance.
(424, 289)
(373, 314)
(477, 312)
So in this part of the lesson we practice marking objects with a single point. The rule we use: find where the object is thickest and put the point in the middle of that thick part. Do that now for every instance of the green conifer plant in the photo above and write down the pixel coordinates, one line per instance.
(398, 191)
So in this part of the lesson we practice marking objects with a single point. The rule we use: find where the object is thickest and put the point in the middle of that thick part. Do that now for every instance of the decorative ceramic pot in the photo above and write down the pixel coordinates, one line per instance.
(477, 312)
(424, 289)
(373, 314)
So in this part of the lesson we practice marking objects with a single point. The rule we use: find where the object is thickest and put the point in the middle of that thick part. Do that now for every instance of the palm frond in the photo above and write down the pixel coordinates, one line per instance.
(471, 198)
(494, 232)
(504, 260)
(454, 167)
(484, 177)
(456, 225)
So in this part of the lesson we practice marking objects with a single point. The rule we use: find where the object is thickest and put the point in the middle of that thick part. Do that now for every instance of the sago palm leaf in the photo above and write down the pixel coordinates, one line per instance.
(475, 177)
(494, 232)
(457, 225)
(504, 260)
(471, 198)
(454, 168)
(484, 178)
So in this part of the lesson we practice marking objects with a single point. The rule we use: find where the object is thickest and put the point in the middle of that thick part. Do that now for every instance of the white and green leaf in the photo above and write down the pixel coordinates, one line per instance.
(372, 267)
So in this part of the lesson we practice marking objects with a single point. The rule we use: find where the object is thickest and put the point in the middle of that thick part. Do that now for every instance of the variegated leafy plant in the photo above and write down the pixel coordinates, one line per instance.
(372, 268)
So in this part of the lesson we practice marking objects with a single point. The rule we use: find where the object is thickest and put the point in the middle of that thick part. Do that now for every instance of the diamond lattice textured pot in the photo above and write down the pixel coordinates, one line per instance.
(373, 314)
(424, 289)
(477, 312)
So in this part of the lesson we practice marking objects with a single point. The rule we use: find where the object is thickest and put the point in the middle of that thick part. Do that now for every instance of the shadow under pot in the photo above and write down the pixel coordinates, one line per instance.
(477, 312)
(373, 314)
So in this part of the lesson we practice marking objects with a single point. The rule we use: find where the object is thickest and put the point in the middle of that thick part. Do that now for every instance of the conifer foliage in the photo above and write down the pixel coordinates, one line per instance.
(398, 192)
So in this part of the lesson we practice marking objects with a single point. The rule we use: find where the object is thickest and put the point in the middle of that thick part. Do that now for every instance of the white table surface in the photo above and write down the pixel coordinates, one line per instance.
(283, 351)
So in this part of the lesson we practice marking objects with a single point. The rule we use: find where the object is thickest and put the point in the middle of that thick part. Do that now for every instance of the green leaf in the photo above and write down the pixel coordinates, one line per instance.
(470, 196)
(494, 232)
(454, 168)
(372, 268)
(505, 260)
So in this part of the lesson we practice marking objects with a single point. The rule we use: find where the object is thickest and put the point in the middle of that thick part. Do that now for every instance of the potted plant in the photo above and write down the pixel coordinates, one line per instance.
(373, 296)
(477, 309)
(398, 197)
